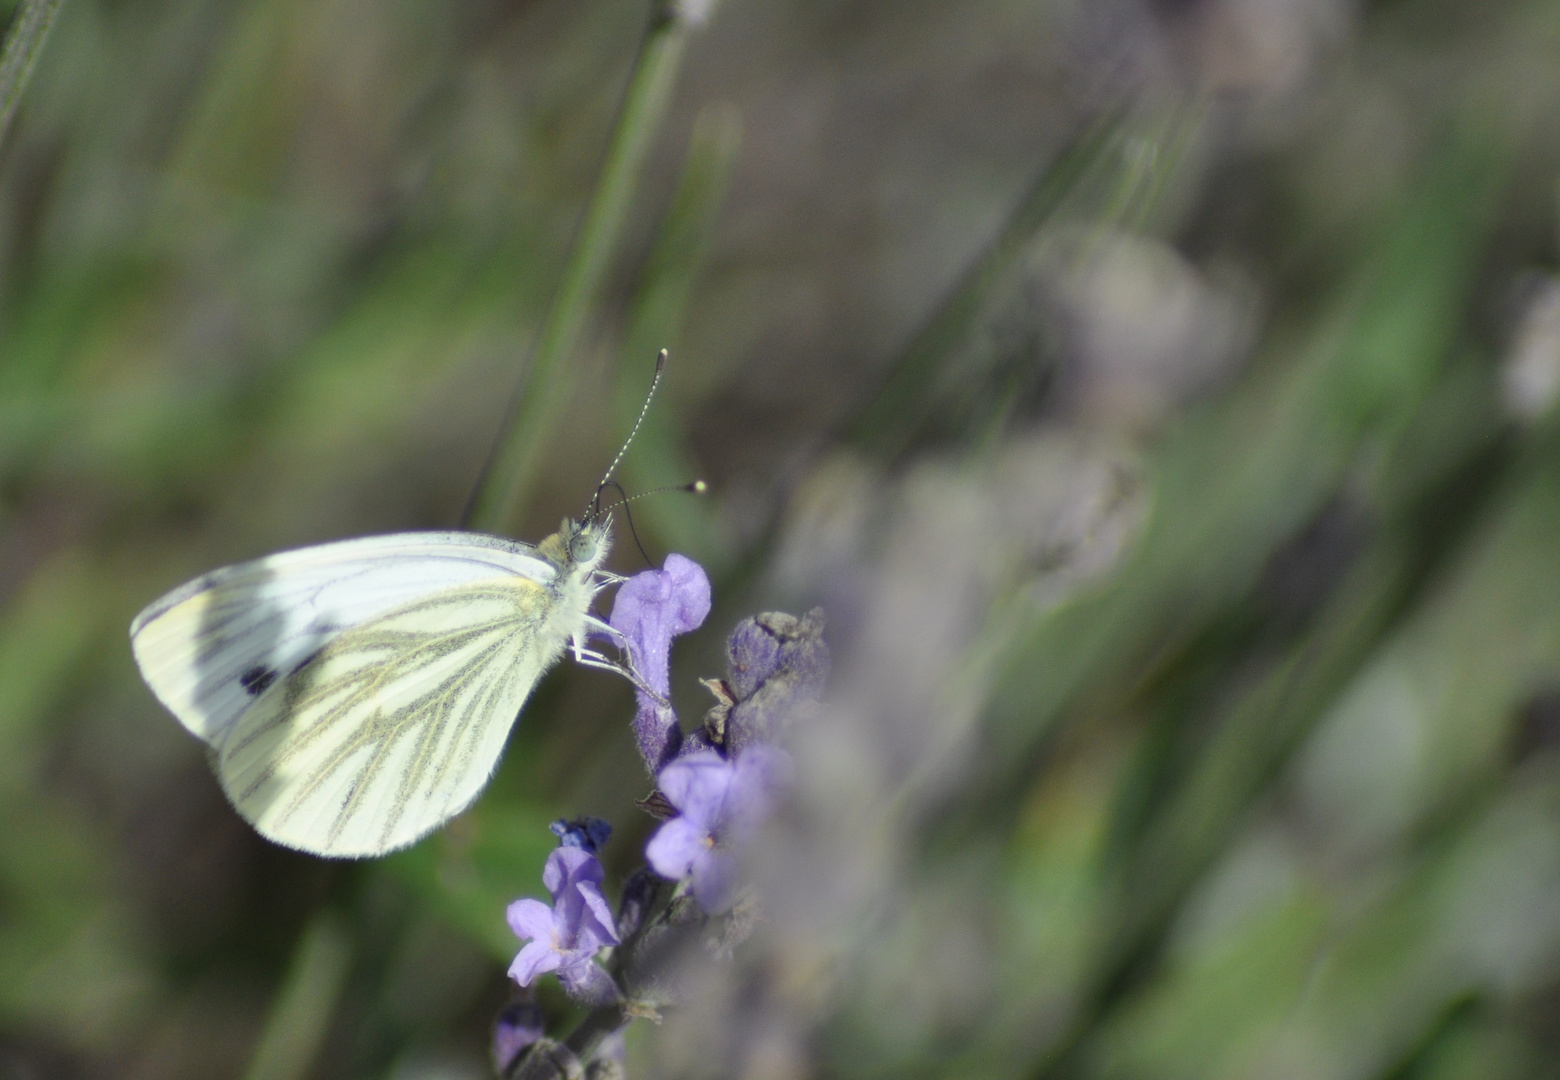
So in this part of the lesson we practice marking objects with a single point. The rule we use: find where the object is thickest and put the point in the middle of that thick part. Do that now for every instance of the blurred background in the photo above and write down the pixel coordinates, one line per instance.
(1158, 395)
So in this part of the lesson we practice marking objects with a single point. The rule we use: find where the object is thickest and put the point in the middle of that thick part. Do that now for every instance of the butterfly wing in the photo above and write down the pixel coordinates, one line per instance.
(211, 648)
(395, 724)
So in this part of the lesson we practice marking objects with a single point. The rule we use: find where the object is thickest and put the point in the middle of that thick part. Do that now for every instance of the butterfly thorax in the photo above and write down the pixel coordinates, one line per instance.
(577, 550)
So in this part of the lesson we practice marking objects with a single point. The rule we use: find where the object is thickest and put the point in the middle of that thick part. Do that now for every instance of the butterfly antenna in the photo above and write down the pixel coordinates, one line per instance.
(623, 501)
(595, 502)
(693, 487)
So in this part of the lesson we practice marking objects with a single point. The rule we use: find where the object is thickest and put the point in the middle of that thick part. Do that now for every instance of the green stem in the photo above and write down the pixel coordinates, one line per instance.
(535, 410)
(23, 43)
(683, 240)
(1111, 175)
(301, 1013)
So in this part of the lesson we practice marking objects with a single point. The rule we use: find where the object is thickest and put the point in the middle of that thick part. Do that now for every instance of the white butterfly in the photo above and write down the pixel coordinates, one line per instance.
(357, 695)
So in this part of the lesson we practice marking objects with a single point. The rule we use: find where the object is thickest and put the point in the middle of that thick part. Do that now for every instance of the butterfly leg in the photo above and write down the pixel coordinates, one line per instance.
(592, 658)
(605, 629)
(594, 627)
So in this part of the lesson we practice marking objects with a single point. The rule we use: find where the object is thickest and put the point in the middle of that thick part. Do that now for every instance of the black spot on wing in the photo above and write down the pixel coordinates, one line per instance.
(256, 679)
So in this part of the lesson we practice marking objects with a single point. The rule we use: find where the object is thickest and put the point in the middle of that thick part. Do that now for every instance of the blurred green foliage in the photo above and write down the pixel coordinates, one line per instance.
(1273, 792)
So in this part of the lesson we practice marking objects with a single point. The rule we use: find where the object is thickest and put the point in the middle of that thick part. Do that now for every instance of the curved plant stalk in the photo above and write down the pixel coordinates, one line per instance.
(302, 1010)
(1115, 173)
(533, 414)
(682, 242)
(23, 43)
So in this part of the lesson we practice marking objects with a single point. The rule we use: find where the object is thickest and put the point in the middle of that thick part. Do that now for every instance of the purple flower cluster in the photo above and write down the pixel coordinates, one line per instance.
(715, 788)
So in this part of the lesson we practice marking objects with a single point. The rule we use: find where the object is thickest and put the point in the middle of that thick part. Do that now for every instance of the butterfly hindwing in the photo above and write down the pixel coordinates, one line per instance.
(212, 647)
(394, 725)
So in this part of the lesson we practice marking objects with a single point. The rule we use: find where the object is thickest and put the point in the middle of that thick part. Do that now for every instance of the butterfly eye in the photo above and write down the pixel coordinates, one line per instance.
(582, 546)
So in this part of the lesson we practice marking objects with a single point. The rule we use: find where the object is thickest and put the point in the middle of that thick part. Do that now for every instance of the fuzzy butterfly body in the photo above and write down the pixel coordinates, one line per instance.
(357, 695)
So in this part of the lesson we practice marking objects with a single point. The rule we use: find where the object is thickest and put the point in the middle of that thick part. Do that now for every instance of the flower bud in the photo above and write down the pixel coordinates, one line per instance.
(519, 1024)
(545, 1059)
(778, 666)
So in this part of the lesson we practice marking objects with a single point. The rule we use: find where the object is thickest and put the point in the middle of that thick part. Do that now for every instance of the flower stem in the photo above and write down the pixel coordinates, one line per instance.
(677, 256)
(600, 1022)
(305, 1004)
(1112, 174)
(534, 411)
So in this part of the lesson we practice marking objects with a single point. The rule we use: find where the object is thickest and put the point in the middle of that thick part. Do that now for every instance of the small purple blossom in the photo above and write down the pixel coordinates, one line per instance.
(519, 1025)
(650, 609)
(720, 804)
(564, 938)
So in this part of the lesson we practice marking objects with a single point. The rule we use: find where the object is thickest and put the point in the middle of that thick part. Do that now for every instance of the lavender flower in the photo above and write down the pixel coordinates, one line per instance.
(650, 609)
(564, 938)
(720, 803)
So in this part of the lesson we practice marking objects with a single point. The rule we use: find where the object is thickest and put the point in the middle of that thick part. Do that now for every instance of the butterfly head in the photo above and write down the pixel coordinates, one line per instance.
(580, 545)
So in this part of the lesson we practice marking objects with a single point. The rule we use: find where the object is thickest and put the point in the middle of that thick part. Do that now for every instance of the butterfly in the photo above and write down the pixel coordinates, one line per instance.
(357, 695)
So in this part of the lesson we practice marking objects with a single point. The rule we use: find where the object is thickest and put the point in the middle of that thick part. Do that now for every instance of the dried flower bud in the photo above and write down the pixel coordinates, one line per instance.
(778, 667)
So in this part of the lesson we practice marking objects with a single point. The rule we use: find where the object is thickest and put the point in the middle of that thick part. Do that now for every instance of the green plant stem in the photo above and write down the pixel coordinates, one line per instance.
(682, 242)
(1113, 174)
(23, 43)
(304, 1005)
(534, 412)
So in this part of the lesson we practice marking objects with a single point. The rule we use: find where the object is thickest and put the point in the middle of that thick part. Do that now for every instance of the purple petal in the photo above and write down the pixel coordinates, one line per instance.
(535, 959)
(654, 606)
(691, 586)
(530, 919)
(568, 866)
(714, 881)
(760, 779)
(574, 921)
(597, 921)
(696, 784)
(675, 846)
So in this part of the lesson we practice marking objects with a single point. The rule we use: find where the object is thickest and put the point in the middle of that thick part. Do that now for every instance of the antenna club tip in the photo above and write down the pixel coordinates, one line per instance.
(660, 360)
(699, 487)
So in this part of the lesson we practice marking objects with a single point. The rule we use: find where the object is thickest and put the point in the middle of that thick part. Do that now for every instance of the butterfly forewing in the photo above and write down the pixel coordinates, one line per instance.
(212, 647)
(394, 725)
